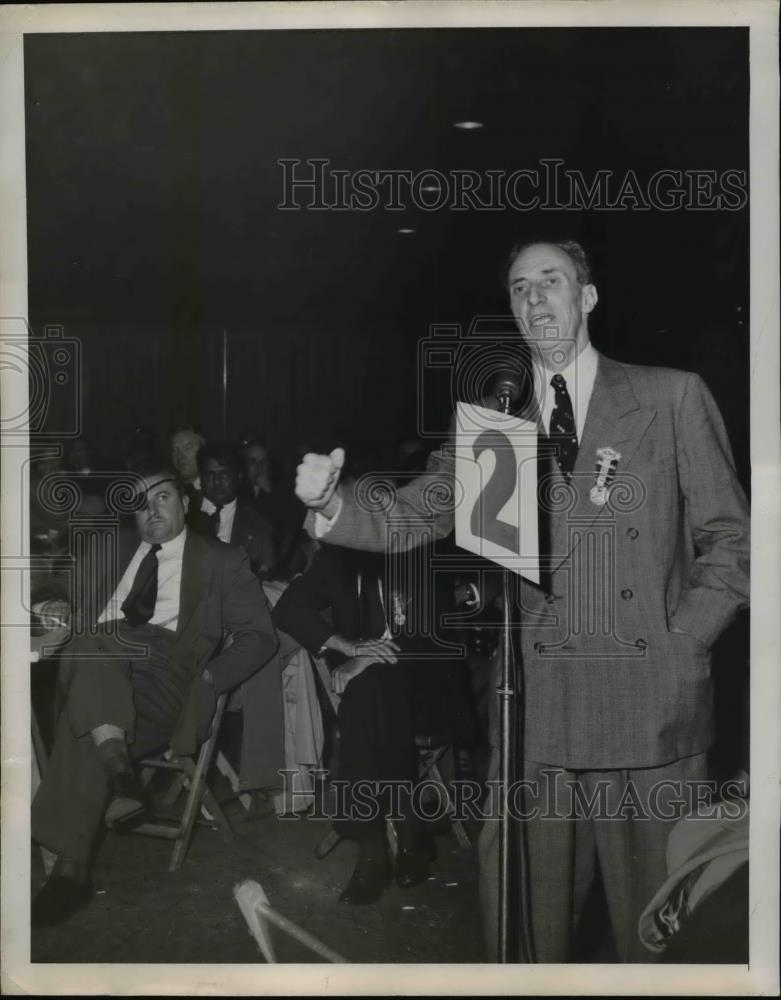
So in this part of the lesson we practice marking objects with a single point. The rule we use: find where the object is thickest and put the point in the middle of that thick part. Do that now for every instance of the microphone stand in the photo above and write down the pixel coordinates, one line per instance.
(510, 692)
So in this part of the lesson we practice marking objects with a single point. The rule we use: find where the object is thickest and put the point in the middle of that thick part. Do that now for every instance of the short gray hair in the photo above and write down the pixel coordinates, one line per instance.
(571, 248)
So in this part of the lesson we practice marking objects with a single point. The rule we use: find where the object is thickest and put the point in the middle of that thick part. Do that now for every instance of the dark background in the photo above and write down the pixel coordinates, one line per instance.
(153, 185)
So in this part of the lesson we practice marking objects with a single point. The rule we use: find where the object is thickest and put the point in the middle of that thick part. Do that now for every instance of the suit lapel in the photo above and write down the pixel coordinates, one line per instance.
(240, 529)
(614, 419)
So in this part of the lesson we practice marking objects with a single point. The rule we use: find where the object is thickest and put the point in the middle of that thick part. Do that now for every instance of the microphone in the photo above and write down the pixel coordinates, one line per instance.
(506, 392)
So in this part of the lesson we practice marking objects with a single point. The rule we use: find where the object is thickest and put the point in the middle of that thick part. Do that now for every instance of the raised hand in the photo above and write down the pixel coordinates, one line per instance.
(317, 478)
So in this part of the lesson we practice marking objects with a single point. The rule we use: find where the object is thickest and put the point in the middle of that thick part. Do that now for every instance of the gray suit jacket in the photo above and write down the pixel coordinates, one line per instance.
(616, 658)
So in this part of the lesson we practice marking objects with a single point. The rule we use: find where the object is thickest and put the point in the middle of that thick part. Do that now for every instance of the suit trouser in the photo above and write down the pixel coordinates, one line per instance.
(126, 679)
(376, 744)
(563, 839)
(380, 713)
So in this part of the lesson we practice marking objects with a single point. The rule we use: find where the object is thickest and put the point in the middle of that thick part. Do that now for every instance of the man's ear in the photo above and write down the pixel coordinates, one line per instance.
(185, 502)
(588, 298)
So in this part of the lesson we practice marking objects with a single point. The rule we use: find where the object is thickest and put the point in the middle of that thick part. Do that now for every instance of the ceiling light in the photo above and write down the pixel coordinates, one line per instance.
(467, 125)
(405, 232)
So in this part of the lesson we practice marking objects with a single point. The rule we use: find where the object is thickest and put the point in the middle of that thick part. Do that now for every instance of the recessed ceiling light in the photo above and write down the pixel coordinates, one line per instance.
(435, 187)
(405, 232)
(467, 125)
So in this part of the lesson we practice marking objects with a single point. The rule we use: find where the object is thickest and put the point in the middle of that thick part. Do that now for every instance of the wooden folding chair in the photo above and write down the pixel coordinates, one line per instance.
(199, 796)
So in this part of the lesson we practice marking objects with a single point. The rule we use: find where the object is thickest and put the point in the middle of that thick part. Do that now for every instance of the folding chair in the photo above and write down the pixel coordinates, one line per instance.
(199, 796)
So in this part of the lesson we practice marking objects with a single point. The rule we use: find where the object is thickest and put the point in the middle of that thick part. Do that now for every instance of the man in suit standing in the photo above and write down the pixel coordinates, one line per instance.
(144, 672)
(644, 566)
(223, 513)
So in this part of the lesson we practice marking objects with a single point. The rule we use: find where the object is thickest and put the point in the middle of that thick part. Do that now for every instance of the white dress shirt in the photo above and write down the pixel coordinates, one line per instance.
(169, 583)
(227, 514)
(580, 375)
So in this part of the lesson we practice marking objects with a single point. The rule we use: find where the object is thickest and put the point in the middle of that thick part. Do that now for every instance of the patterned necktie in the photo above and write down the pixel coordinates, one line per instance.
(139, 605)
(214, 517)
(562, 427)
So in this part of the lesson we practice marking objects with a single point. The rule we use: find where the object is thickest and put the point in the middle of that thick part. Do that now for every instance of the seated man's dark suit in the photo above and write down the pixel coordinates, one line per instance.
(147, 680)
(251, 531)
(255, 535)
(383, 707)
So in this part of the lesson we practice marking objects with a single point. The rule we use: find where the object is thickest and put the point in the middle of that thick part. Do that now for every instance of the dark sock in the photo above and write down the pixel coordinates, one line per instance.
(114, 756)
(76, 871)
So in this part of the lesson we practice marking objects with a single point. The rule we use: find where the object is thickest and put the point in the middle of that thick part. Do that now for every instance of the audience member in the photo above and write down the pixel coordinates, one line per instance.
(146, 674)
(225, 514)
(185, 442)
(275, 500)
(392, 686)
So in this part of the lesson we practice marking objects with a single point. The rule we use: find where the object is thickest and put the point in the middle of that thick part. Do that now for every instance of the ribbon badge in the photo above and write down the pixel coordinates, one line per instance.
(605, 472)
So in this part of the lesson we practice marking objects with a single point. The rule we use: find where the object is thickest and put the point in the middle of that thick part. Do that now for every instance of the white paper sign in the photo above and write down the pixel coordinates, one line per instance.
(496, 468)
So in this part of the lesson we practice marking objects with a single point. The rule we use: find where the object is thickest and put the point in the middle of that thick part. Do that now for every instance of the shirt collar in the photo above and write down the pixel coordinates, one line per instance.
(173, 547)
(209, 508)
(581, 370)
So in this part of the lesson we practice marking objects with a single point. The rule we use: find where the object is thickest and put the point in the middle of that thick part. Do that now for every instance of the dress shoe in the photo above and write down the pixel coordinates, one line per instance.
(371, 875)
(58, 900)
(128, 799)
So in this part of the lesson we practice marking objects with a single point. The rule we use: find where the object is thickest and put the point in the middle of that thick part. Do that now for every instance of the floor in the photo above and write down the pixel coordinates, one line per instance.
(142, 913)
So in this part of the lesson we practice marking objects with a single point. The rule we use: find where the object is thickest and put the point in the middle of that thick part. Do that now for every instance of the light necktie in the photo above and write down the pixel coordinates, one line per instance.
(139, 605)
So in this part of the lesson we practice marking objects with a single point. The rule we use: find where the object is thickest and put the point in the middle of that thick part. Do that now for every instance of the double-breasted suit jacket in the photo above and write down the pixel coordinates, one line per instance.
(616, 655)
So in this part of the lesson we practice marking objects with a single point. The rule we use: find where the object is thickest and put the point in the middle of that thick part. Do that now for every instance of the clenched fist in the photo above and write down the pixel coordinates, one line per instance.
(317, 477)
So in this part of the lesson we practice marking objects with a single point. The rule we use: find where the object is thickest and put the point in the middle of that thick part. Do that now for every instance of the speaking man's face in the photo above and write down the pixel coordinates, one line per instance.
(162, 516)
(550, 306)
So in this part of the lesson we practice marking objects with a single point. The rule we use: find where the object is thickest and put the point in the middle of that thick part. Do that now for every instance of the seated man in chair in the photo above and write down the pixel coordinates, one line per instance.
(144, 675)
(393, 687)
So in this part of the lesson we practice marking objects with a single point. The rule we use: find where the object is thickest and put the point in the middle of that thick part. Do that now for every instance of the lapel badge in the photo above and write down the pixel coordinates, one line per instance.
(605, 471)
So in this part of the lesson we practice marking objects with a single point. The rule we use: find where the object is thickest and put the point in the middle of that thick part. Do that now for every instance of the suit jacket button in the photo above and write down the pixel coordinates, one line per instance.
(641, 644)
(627, 594)
(632, 532)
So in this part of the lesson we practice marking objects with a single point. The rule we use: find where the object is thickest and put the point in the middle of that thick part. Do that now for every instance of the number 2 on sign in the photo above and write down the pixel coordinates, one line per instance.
(485, 521)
